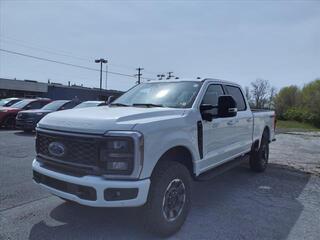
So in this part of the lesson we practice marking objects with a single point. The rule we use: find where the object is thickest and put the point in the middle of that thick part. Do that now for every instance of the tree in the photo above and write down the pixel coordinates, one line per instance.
(247, 93)
(272, 95)
(288, 97)
(260, 92)
(310, 102)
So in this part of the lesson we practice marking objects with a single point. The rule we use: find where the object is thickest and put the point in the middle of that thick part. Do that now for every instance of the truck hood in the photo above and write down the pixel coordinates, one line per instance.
(98, 120)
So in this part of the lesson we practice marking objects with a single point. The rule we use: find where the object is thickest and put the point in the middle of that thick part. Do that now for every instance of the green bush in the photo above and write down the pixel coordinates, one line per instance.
(303, 105)
(302, 115)
(295, 114)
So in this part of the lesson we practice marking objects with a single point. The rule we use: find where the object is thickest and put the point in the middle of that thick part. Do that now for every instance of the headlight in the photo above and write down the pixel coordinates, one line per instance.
(117, 156)
(39, 113)
(121, 154)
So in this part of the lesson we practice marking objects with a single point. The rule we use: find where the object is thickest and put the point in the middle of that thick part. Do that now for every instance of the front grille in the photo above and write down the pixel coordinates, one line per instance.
(79, 150)
(23, 116)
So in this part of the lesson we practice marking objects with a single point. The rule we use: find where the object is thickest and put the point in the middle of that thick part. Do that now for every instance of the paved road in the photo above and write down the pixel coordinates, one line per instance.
(279, 204)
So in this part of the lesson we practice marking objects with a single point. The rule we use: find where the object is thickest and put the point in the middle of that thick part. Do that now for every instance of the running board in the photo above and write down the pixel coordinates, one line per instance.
(222, 168)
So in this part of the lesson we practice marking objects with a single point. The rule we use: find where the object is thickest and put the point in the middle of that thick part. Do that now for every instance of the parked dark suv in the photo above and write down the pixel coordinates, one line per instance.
(27, 120)
(8, 114)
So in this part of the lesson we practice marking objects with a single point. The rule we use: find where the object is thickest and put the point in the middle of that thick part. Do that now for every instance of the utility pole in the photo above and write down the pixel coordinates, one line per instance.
(170, 75)
(106, 75)
(101, 61)
(139, 69)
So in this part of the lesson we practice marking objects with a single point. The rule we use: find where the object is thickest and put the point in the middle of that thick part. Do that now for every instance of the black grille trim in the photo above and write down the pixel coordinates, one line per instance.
(69, 169)
(83, 192)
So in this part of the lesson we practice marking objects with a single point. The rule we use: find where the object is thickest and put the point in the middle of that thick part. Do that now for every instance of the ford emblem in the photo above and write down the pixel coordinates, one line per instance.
(56, 149)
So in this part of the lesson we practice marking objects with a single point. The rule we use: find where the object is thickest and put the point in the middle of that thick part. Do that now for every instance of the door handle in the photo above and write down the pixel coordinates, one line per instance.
(249, 119)
(232, 122)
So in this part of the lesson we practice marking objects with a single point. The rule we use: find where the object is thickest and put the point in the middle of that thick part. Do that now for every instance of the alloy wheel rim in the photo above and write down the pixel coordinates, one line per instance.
(265, 154)
(174, 200)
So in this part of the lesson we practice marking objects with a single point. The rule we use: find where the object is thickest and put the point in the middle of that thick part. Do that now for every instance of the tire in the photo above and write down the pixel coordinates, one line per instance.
(9, 123)
(259, 159)
(169, 199)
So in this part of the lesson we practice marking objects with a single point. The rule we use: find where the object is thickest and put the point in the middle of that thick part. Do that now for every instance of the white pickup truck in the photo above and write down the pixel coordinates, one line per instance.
(146, 147)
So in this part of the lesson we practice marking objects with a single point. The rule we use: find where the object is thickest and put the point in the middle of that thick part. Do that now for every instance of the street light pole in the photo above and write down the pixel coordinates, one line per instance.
(100, 75)
(101, 61)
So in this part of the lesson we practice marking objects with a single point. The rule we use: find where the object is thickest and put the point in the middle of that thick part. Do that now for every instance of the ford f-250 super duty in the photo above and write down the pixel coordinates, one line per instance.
(146, 147)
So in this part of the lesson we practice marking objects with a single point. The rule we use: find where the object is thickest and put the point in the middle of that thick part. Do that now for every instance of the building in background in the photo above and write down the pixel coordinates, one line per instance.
(55, 91)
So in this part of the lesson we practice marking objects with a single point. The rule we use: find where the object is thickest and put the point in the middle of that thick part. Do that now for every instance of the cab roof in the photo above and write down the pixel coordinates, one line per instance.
(196, 80)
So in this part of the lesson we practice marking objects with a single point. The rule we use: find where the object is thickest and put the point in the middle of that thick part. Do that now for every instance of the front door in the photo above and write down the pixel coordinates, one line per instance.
(218, 135)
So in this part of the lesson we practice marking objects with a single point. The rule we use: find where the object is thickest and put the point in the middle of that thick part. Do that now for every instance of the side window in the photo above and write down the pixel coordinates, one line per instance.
(236, 93)
(42, 103)
(68, 105)
(211, 96)
(34, 105)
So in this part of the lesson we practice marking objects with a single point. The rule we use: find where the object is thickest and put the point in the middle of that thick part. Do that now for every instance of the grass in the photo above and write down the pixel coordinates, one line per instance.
(294, 125)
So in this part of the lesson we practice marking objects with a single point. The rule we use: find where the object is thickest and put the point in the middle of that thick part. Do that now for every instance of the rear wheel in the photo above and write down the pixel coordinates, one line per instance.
(259, 159)
(169, 198)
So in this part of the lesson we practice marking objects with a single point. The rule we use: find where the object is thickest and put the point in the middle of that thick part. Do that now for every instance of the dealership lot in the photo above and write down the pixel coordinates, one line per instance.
(282, 203)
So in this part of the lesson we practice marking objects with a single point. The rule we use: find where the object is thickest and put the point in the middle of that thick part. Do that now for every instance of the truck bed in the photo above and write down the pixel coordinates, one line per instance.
(261, 119)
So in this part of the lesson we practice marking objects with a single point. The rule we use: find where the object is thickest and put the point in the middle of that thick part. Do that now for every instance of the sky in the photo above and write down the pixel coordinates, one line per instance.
(238, 41)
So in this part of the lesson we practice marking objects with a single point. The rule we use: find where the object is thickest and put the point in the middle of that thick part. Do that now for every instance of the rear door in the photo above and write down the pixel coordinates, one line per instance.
(243, 124)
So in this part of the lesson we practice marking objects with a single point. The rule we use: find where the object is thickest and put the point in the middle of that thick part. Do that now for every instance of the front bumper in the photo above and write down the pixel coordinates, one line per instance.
(26, 124)
(99, 184)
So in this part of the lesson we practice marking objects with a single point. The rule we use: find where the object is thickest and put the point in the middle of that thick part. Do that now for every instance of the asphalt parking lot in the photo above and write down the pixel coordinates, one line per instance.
(282, 203)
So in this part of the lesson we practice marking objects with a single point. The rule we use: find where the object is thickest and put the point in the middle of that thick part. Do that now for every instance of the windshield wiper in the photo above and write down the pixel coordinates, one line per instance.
(119, 104)
(147, 105)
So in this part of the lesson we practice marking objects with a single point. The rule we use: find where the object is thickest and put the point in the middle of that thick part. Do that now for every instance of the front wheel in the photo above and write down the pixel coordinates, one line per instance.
(169, 198)
(259, 159)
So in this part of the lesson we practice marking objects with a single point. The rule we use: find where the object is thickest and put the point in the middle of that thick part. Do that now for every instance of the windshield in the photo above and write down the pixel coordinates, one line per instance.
(55, 105)
(161, 94)
(22, 103)
(4, 101)
(87, 104)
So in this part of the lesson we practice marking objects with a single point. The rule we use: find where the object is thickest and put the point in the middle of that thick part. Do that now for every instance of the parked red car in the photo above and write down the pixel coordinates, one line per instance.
(8, 114)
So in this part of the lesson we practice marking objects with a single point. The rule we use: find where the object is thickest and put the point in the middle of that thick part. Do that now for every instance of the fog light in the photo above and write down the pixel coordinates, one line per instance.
(122, 166)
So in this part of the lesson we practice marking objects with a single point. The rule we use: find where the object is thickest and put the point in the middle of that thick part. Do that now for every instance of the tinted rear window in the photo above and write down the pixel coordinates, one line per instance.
(236, 93)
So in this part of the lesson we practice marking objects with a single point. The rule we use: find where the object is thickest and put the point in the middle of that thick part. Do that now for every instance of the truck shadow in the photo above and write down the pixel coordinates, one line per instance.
(236, 205)
(25, 134)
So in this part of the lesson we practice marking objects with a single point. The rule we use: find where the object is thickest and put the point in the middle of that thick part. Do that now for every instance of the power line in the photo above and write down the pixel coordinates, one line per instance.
(29, 45)
(53, 51)
(45, 50)
(65, 63)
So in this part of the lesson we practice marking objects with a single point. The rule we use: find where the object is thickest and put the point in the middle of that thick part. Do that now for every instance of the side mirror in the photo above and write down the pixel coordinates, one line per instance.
(227, 107)
(110, 99)
(207, 116)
